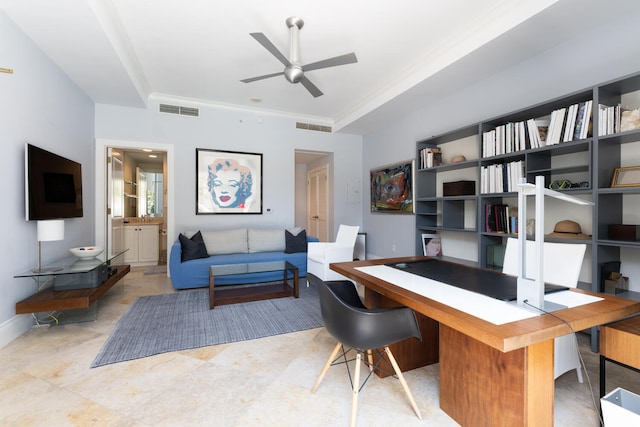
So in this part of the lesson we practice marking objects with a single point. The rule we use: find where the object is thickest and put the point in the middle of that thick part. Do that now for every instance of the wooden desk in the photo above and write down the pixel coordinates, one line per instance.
(620, 344)
(489, 374)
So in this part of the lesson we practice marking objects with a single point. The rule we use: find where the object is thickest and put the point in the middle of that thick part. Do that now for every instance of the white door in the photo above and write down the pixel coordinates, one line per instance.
(115, 202)
(317, 203)
(141, 192)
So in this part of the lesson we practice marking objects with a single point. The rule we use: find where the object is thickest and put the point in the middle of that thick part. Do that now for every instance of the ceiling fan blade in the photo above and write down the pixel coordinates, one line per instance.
(264, 41)
(313, 90)
(266, 76)
(348, 58)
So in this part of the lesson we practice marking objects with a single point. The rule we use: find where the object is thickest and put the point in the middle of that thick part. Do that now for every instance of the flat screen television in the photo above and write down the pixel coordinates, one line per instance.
(53, 185)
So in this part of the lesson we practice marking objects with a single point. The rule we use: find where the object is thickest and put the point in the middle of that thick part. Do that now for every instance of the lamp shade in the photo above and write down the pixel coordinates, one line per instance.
(50, 230)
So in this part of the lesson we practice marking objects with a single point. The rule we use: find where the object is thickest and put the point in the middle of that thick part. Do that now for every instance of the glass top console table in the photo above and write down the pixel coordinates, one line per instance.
(72, 265)
(71, 283)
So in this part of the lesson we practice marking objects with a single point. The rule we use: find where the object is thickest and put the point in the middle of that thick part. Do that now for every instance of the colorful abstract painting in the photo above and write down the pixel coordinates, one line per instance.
(392, 188)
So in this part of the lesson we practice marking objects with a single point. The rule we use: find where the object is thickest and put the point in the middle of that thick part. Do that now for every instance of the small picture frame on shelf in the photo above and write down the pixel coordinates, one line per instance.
(626, 177)
(431, 245)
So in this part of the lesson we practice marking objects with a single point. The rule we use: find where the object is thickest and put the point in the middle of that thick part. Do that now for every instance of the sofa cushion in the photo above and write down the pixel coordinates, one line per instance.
(295, 242)
(265, 240)
(226, 241)
(192, 248)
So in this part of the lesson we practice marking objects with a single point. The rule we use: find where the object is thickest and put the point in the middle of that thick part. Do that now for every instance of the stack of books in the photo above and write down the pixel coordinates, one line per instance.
(515, 136)
(617, 119)
(430, 156)
(570, 123)
(501, 177)
(500, 219)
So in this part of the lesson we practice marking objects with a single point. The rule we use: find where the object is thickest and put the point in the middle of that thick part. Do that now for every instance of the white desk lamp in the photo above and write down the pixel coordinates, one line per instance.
(532, 290)
(48, 231)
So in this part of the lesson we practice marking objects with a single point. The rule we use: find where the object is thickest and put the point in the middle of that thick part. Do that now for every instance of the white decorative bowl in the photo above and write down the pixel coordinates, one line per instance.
(87, 251)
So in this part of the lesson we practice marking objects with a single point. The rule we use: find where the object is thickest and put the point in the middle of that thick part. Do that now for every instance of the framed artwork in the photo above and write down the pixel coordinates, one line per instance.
(431, 245)
(228, 182)
(392, 188)
(626, 177)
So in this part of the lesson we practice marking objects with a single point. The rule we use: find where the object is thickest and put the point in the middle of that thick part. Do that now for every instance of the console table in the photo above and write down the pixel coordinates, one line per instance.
(491, 372)
(80, 295)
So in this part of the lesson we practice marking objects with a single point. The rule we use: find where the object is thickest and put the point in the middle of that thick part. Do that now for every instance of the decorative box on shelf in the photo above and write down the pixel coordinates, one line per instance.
(459, 188)
(624, 232)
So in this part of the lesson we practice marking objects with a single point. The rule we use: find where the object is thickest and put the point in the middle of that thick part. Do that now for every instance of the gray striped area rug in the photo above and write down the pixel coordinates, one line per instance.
(182, 320)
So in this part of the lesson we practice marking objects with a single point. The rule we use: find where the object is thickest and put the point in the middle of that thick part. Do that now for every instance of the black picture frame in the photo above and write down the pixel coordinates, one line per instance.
(228, 182)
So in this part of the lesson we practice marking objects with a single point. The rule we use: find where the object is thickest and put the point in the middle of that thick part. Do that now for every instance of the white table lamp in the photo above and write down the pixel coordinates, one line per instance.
(48, 231)
(532, 290)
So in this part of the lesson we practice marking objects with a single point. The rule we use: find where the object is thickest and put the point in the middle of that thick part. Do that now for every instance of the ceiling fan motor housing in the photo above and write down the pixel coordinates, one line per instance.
(293, 73)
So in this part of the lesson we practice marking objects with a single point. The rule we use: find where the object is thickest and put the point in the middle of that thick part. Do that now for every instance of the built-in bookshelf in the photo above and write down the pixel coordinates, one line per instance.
(575, 142)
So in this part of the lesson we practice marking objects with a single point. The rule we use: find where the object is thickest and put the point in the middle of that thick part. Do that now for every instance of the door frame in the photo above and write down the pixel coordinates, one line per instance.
(101, 185)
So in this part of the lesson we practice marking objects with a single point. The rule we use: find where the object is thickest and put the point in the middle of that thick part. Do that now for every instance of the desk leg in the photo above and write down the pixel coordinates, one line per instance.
(211, 292)
(482, 386)
(603, 376)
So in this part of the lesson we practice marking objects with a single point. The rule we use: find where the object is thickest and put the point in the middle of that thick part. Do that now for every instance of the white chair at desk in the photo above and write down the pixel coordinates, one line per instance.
(562, 263)
(321, 254)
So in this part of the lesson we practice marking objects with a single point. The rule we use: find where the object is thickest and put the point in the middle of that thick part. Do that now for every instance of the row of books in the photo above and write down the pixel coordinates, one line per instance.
(430, 156)
(562, 125)
(500, 219)
(616, 119)
(514, 136)
(570, 123)
(501, 177)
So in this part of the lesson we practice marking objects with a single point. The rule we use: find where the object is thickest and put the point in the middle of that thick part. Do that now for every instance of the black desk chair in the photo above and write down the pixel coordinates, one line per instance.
(362, 330)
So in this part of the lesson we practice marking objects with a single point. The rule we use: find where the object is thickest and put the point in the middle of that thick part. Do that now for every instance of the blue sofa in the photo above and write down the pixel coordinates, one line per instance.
(235, 246)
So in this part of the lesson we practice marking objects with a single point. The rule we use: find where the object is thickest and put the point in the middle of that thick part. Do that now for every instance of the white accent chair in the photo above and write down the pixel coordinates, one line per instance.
(321, 254)
(562, 263)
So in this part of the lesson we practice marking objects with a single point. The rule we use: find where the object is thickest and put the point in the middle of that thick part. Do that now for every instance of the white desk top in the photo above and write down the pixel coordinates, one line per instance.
(486, 308)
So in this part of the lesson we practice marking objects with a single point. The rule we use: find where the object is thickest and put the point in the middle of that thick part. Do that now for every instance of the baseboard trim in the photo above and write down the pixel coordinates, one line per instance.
(14, 327)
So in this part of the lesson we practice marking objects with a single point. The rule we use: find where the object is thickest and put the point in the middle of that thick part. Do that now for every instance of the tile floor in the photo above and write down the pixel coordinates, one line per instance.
(45, 380)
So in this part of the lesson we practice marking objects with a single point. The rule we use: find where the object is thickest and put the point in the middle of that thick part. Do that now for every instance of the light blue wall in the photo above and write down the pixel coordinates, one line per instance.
(275, 137)
(39, 105)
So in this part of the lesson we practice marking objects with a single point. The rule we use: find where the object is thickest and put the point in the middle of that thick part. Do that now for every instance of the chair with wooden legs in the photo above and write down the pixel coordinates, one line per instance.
(362, 330)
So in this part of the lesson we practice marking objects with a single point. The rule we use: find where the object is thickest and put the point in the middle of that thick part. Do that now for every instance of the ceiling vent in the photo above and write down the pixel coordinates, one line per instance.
(176, 109)
(309, 126)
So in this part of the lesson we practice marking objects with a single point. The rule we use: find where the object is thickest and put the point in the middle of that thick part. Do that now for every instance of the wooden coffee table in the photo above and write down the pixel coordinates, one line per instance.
(252, 292)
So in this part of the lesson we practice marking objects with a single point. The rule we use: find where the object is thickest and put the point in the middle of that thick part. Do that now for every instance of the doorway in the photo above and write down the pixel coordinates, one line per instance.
(314, 195)
(317, 202)
(105, 185)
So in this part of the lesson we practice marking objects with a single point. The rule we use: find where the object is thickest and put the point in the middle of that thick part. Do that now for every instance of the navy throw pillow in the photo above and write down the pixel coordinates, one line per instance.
(297, 243)
(192, 248)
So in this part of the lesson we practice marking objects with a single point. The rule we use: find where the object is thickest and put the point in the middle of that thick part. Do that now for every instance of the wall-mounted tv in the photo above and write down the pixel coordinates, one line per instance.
(53, 185)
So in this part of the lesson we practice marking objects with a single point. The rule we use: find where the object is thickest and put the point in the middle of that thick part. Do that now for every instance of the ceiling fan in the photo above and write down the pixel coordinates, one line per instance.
(294, 71)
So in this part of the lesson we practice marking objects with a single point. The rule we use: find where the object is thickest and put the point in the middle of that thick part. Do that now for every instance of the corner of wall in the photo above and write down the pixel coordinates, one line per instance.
(14, 327)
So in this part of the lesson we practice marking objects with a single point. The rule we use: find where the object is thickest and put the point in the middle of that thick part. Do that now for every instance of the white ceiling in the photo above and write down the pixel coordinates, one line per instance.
(194, 52)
